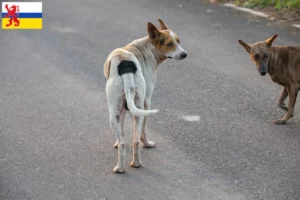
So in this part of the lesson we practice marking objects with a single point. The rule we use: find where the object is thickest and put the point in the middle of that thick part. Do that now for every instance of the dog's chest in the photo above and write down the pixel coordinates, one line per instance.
(275, 79)
(281, 80)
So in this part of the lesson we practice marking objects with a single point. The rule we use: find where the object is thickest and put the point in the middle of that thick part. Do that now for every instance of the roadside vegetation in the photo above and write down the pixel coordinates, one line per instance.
(279, 10)
(277, 4)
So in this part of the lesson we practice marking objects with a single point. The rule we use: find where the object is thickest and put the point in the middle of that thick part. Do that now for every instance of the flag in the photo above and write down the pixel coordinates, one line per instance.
(22, 15)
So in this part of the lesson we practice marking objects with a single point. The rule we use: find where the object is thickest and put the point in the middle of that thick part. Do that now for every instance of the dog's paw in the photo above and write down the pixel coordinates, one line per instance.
(118, 170)
(148, 144)
(135, 164)
(279, 122)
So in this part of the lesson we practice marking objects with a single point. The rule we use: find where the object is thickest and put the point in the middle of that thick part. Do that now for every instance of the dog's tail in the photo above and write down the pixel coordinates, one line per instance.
(129, 89)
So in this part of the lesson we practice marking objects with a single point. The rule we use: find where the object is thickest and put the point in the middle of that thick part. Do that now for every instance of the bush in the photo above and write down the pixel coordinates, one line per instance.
(278, 4)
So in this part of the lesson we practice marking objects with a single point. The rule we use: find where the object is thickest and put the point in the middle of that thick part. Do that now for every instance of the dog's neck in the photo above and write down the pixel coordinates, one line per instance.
(145, 52)
(272, 65)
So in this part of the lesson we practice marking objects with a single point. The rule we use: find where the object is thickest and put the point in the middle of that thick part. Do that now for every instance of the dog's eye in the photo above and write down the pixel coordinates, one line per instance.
(177, 40)
(256, 56)
(170, 44)
(266, 55)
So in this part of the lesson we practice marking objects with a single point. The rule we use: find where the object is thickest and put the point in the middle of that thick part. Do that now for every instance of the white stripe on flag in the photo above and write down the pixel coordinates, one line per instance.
(25, 7)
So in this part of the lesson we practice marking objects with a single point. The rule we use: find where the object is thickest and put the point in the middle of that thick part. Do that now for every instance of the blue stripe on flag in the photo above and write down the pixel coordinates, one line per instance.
(27, 15)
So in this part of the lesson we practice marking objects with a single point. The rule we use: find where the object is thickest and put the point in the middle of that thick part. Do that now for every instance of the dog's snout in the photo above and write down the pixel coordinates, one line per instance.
(183, 55)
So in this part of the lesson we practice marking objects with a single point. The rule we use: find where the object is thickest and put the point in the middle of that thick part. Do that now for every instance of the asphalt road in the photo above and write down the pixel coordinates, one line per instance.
(55, 139)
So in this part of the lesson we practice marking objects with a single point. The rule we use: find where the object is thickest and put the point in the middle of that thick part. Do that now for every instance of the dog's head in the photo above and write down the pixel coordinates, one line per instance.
(166, 42)
(260, 53)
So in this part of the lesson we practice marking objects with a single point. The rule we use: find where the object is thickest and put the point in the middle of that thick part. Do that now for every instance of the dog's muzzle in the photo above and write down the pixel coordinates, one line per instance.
(183, 55)
(263, 73)
(262, 69)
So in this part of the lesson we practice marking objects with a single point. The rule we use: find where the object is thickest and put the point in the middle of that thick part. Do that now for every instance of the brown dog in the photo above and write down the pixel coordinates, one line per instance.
(283, 65)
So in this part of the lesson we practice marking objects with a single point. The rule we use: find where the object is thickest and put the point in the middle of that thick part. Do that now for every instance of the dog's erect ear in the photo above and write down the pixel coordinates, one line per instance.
(270, 40)
(163, 26)
(153, 32)
(245, 45)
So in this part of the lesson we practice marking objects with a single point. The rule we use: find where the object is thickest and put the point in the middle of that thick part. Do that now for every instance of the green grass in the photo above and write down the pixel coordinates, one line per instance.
(277, 4)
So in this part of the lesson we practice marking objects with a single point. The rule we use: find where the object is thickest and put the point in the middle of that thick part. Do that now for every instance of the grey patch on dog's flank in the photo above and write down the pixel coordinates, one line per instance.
(192, 118)
(62, 29)
(120, 103)
(132, 89)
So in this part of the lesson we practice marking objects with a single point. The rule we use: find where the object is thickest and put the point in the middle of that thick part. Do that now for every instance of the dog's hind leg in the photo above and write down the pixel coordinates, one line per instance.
(144, 139)
(282, 98)
(116, 126)
(115, 100)
(138, 120)
(122, 119)
(140, 91)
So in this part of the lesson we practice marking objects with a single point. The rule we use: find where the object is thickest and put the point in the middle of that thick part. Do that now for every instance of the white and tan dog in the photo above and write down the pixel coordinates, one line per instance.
(131, 75)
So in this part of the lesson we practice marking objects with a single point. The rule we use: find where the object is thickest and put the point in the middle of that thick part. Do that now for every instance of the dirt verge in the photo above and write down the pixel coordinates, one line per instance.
(281, 16)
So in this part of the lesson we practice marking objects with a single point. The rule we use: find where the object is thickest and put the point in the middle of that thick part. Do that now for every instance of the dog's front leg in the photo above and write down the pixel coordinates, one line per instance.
(282, 98)
(292, 92)
(144, 139)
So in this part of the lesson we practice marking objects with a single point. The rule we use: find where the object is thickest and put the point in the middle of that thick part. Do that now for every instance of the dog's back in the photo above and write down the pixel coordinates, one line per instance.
(284, 64)
(125, 80)
(118, 55)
